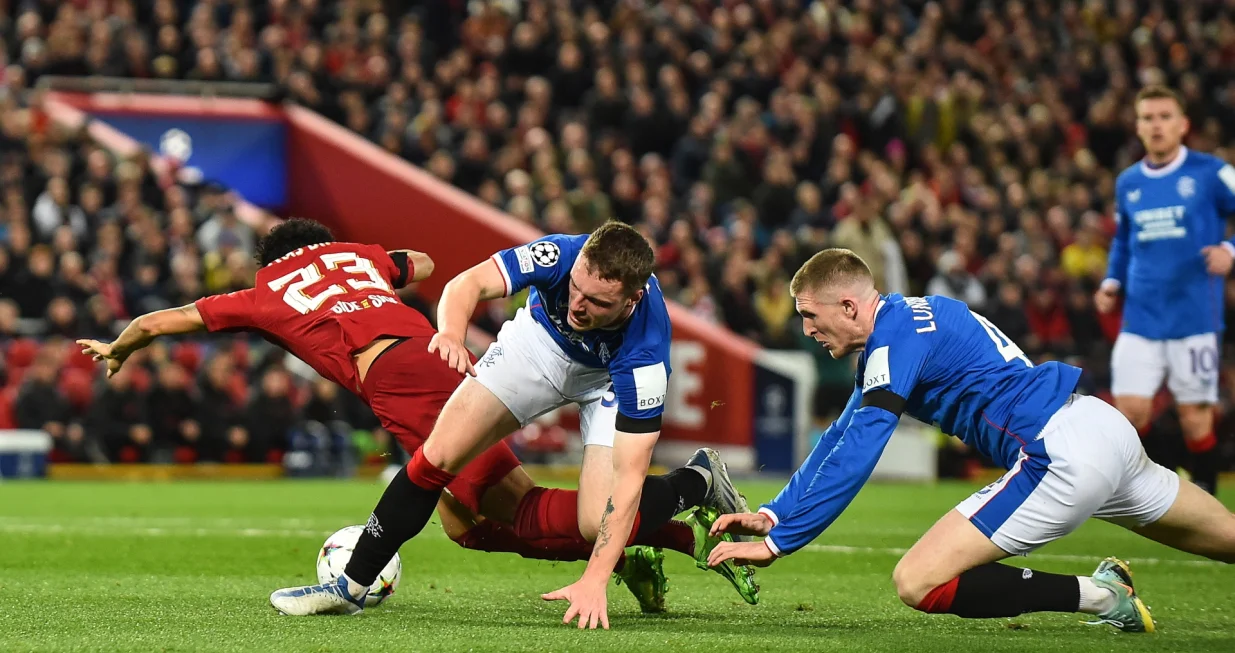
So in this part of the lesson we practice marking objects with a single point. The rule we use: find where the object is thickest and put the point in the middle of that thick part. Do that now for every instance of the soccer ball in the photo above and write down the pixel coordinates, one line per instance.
(335, 553)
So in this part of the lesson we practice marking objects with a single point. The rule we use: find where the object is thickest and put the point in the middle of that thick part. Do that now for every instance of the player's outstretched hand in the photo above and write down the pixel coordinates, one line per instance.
(453, 351)
(1218, 259)
(743, 553)
(742, 523)
(1105, 299)
(588, 601)
(102, 351)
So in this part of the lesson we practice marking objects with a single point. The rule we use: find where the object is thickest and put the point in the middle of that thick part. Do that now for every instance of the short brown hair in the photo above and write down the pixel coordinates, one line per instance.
(1159, 92)
(618, 252)
(829, 267)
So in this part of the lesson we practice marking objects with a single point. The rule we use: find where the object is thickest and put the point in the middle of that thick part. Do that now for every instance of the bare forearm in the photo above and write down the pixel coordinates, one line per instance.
(144, 329)
(616, 523)
(135, 336)
(458, 302)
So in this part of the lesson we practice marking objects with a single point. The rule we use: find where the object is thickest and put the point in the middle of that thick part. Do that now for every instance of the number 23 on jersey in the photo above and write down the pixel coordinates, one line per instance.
(296, 284)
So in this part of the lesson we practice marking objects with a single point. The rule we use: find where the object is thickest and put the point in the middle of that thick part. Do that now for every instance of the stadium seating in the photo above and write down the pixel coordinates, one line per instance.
(962, 152)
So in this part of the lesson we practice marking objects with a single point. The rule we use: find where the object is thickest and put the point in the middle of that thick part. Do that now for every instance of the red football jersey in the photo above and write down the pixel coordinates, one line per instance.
(322, 303)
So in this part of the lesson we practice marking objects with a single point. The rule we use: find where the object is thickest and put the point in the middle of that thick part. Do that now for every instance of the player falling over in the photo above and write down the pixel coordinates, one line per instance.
(1069, 457)
(1171, 262)
(332, 304)
(595, 332)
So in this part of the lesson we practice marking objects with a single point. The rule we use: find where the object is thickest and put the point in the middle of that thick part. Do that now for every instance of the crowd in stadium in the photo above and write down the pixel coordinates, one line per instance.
(960, 150)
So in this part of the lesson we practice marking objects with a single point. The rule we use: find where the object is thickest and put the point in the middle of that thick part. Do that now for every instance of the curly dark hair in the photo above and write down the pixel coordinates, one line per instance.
(289, 236)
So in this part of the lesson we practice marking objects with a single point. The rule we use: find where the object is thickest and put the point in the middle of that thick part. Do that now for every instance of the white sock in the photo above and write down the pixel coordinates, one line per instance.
(1095, 599)
(355, 589)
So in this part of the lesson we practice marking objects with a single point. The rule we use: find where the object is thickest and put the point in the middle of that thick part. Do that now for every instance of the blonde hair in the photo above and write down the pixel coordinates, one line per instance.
(1160, 92)
(830, 267)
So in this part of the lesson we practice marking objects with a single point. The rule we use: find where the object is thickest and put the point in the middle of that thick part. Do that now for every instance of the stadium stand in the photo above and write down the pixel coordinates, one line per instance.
(963, 151)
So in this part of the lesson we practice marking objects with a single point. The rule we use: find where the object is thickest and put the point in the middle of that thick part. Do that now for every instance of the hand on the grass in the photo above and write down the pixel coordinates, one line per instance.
(102, 351)
(742, 553)
(588, 601)
(742, 523)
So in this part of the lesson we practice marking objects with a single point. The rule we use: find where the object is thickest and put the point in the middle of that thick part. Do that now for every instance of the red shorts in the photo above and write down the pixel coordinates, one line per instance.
(407, 387)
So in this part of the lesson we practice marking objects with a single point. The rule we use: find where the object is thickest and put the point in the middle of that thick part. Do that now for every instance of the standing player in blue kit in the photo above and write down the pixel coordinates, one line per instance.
(1170, 259)
(595, 332)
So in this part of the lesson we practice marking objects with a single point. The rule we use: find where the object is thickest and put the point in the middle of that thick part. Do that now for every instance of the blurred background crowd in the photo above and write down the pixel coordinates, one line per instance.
(962, 148)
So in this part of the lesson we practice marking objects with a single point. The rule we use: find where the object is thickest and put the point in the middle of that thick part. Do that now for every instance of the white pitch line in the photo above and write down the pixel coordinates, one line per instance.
(117, 526)
(1057, 557)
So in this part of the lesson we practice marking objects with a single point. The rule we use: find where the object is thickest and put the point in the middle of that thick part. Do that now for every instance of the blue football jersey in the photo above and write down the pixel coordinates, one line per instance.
(934, 359)
(635, 353)
(1166, 215)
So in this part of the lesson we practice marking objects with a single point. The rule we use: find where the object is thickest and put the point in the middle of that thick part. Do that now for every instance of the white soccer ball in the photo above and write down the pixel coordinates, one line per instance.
(337, 550)
(176, 144)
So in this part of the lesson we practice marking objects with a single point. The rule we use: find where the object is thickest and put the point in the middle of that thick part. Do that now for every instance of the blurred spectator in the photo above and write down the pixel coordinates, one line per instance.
(173, 412)
(954, 280)
(223, 231)
(272, 415)
(1049, 331)
(9, 314)
(1008, 312)
(221, 415)
(1085, 258)
(33, 289)
(40, 405)
(120, 420)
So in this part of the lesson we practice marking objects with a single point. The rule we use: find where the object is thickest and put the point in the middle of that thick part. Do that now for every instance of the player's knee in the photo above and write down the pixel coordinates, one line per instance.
(589, 526)
(1138, 410)
(475, 538)
(1139, 418)
(1225, 549)
(1196, 422)
(911, 586)
(427, 474)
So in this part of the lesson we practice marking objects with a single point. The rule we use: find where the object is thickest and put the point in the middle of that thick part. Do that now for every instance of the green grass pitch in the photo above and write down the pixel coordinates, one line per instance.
(189, 566)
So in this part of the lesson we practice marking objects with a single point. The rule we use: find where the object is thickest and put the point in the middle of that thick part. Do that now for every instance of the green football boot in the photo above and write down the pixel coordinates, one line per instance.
(741, 576)
(1129, 614)
(644, 575)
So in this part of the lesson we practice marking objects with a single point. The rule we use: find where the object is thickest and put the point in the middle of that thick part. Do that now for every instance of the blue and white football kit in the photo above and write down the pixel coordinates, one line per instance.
(1173, 308)
(1069, 456)
(618, 376)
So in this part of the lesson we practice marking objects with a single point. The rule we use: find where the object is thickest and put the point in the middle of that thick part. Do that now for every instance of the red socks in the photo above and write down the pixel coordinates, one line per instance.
(425, 475)
(939, 600)
(1204, 444)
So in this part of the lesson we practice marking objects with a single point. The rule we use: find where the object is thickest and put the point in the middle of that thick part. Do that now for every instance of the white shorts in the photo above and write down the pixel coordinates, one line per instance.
(1189, 365)
(527, 370)
(1088, 462)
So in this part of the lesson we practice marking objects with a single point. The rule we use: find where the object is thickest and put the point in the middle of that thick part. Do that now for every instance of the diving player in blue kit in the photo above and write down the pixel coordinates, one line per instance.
(1069, 457)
